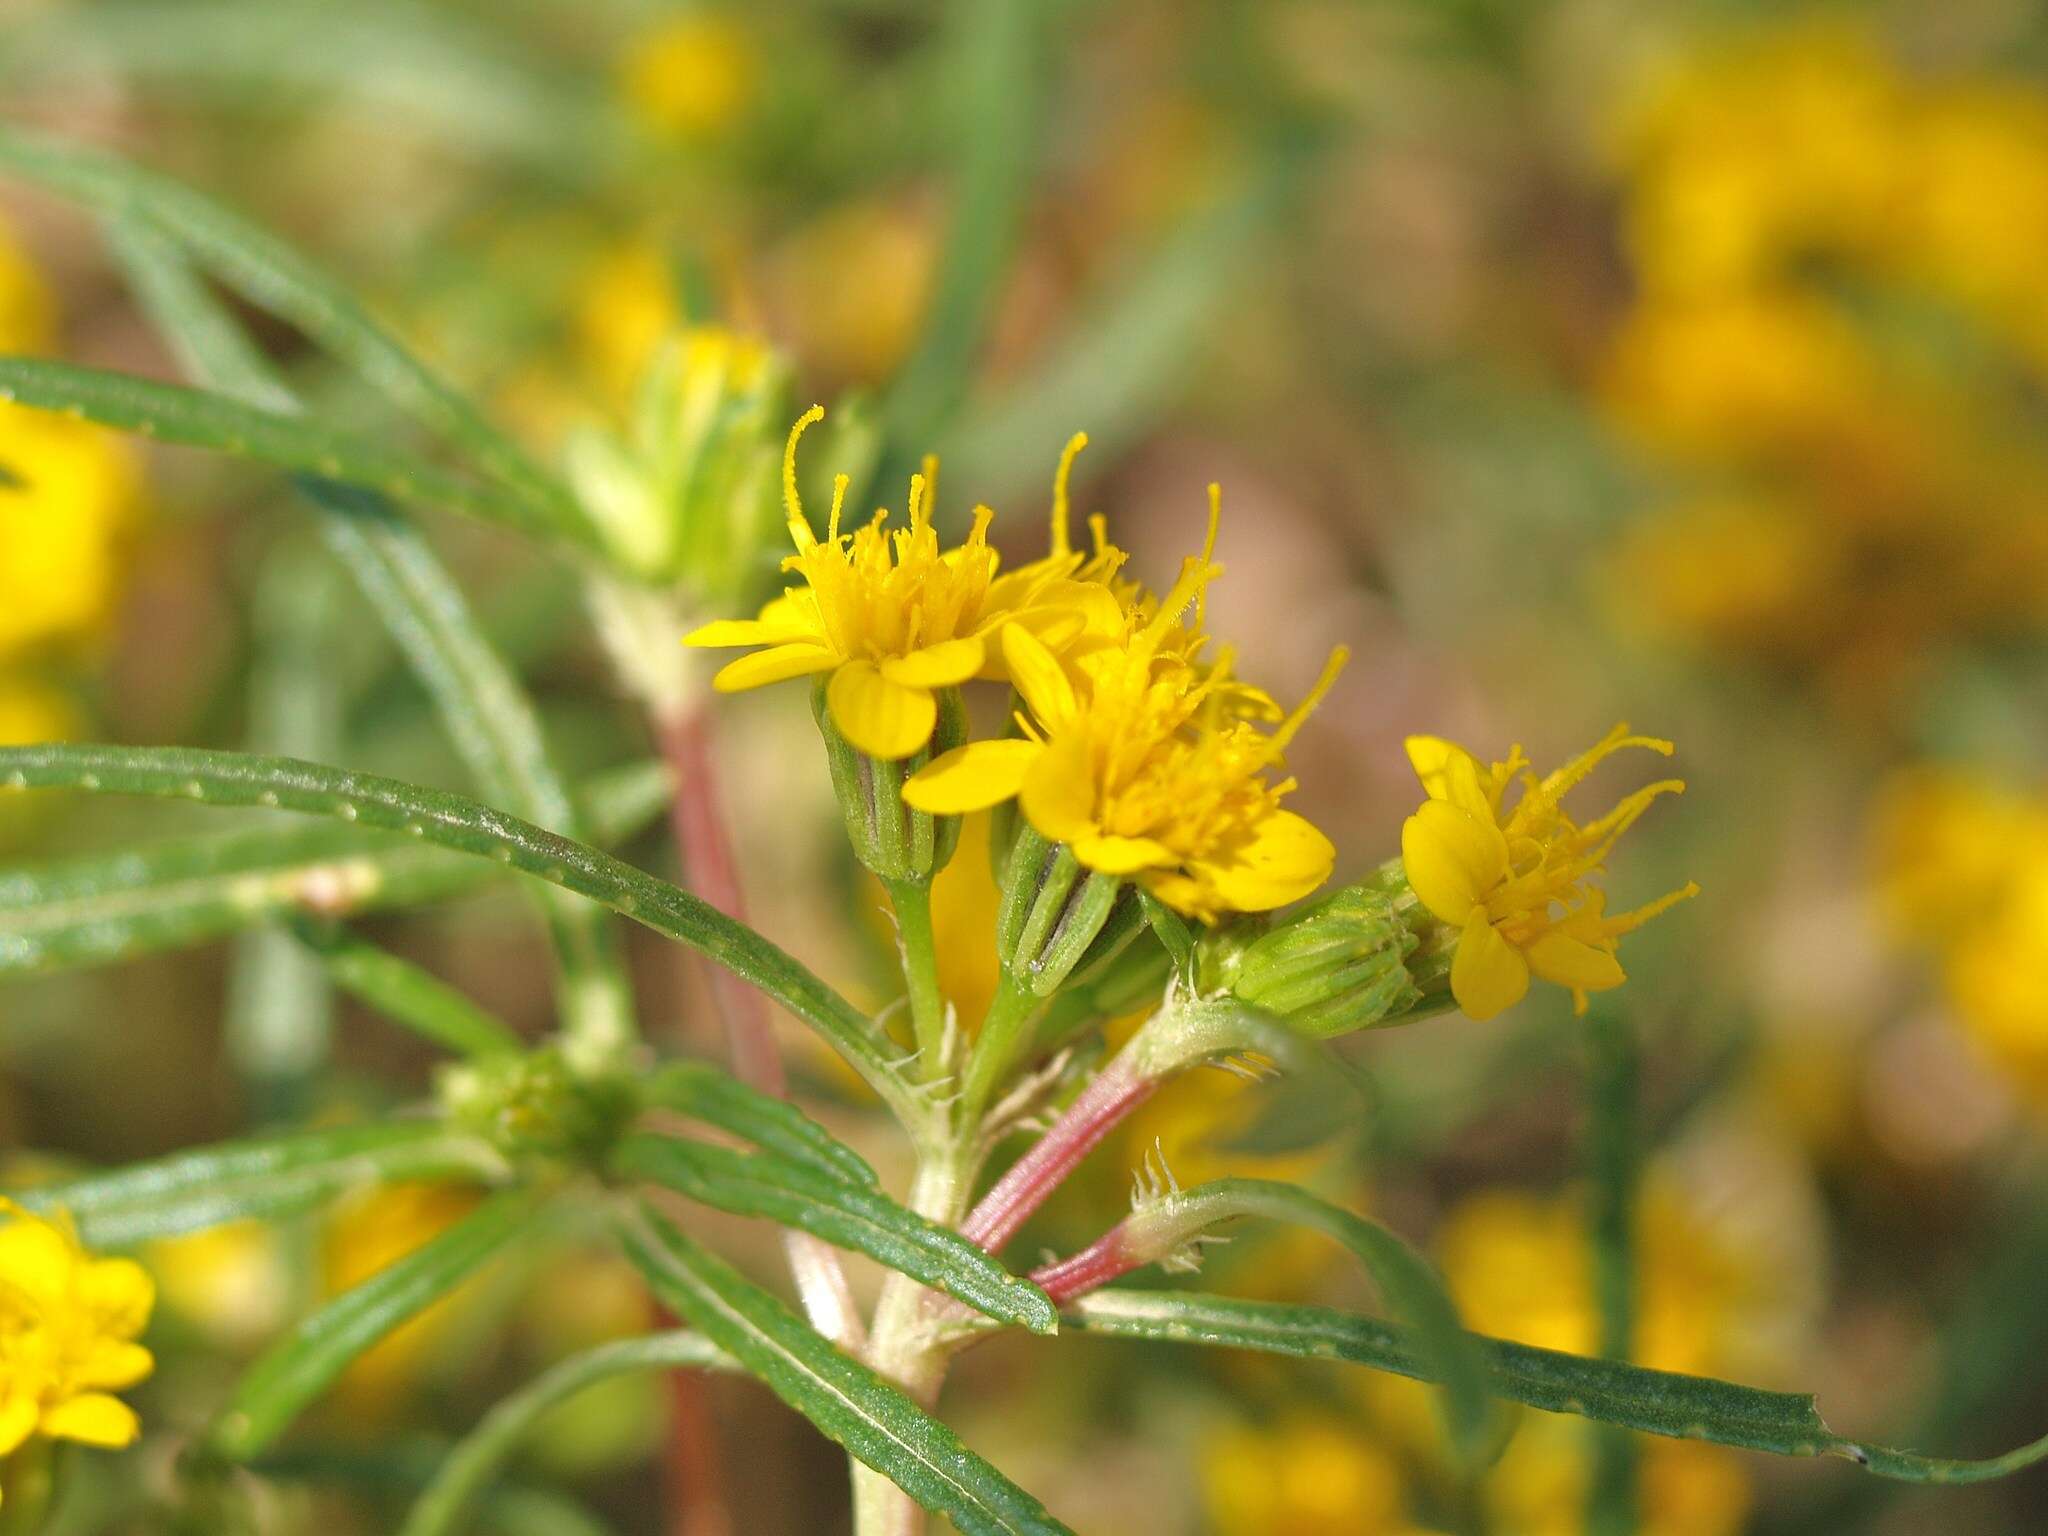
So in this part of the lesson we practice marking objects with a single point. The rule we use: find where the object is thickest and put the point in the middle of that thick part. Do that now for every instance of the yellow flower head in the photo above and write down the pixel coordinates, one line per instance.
(1515, 883)
(1146, 765)
(888, 613)
(691, 78)
(68, 1325)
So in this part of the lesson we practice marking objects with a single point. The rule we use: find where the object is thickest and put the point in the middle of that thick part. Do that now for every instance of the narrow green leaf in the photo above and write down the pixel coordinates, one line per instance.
(113, 907)
(495, 728)
(1411, 1288)
(194, 418)
(848, 1402)
(305, 1363)
(701, 1091)
(384, 1471)
(406, 994)
(1609, 1391)
(271, 275)
(274, 1176)
(446, 1505)
(455, 821)
(845, 1215)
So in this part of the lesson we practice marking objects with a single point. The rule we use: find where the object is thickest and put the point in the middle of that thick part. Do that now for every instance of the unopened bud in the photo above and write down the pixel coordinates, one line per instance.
(1335, 967)
(889, 836)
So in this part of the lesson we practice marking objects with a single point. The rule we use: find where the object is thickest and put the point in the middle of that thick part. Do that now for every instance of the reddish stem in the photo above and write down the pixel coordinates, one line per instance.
(703, 840)
(1108, 1258)
(1115, 1092)
(695, 1490)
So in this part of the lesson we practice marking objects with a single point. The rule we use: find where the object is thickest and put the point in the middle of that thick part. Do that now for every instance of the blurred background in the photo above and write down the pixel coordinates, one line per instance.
(1572, 362)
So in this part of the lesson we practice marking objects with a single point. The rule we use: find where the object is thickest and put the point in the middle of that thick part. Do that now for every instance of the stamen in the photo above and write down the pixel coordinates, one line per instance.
(793, 505)
(1209, 548)
(1284, 732)
(917, 507)
(1075, 444)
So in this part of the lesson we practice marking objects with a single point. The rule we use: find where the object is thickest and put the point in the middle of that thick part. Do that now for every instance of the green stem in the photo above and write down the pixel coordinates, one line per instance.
(912, 899)
(903, 1344)
(29, 1477)
(1612, 1163)
(1012, 1014)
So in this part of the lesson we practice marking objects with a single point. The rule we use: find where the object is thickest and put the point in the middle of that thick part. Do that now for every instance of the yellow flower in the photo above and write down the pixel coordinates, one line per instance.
(692, 77)
(28, 311)
(68, 1326)
(1146, 766)
(889, 614)
(1306, 1475)
(1514, 883)
(370, 1233)
(625, 307)
(33, 712)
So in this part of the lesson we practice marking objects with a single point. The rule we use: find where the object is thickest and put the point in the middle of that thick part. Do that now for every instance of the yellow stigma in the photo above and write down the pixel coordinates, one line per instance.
(1060, 544)
(68, 1326)
(1517, 883)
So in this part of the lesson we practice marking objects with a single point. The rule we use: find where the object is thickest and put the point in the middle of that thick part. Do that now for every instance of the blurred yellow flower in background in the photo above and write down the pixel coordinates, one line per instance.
(691, 77)
(1837, 268)
(370, 1233)
(1302, 1475)
(68, 1329)
(624, 309)
(232, 1281)
(1961, 869)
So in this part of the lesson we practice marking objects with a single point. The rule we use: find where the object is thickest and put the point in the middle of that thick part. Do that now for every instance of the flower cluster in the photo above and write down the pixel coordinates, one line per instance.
(1146, 760)
(1514, 882)
(1798, 210)
(68, 1326)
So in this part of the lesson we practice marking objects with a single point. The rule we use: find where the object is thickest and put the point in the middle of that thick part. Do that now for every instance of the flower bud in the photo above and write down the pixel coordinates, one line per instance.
(888, 835)
(535, 1105)
(691, 493)
(1058, 920)
(1335, 967)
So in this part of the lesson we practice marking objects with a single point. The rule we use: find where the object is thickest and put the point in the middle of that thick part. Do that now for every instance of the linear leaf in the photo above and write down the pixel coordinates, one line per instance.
(273, 1176)
(274, 277)
(775, 1125)
(195, 418)
(494, 725)
(401, 991)
(443, 1509)
(845, 1215)
(848, 1402)
(113, 907)
(455, 821)
(1609, 1391)
(1411, 1287)
(305, 1363)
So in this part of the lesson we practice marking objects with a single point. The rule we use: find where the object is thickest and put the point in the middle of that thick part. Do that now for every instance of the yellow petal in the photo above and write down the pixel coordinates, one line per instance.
(18, 1416)
(1111, 855)
(120, 1294)
(1488, 974)
(881, 718)
(1568, 962)
(1037, 674)
(37, 1261)
(773, 665)
(969, 778)
(1287, 858)
(1453, 858)
(1450, 773)
(937, 666)
(92, 1419)
(113, 1365)
(1058, 793)
(782, 630)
